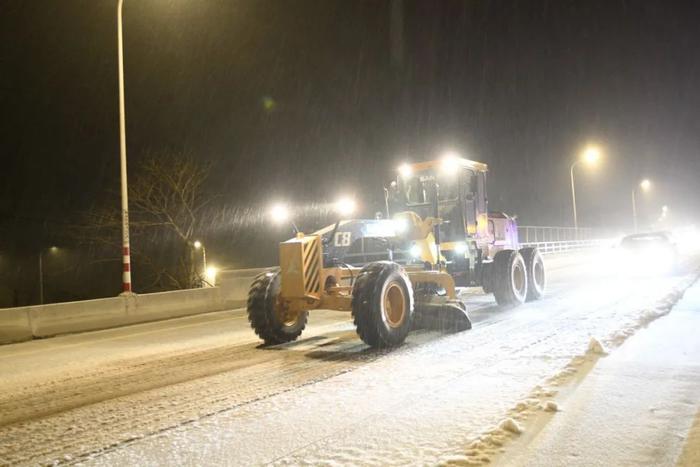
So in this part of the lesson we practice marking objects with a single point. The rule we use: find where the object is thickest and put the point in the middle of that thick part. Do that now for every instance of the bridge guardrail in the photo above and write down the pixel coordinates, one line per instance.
(535, 234)
(551, 239)
(567, 245)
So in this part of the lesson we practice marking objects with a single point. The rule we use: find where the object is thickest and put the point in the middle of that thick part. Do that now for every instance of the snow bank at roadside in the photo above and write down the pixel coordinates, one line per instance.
(493, 441)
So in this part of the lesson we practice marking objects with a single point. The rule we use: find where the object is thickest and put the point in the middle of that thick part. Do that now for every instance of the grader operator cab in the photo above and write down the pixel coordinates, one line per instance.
(401, 272)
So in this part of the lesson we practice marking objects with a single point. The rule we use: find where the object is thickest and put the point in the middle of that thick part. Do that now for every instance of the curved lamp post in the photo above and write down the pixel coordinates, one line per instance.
(590, 156)
(199, 246)
(645, 185)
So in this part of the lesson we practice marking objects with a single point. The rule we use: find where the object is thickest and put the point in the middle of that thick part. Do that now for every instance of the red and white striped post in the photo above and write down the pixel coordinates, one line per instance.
(126, 254)
(126, 262)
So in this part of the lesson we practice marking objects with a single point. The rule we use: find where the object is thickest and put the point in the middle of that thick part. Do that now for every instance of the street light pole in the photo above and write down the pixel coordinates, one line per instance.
(573, 193)
(126, 254)
(204, 258)
(644, 185)
(590, 155)
(199, 245)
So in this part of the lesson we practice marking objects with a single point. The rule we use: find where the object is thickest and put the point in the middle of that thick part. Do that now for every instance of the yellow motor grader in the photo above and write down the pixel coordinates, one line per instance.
(402, 271)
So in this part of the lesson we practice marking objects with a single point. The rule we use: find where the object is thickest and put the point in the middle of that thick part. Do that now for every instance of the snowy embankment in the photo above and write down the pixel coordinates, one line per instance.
(635, 407)
(458, 399)
(534, 411)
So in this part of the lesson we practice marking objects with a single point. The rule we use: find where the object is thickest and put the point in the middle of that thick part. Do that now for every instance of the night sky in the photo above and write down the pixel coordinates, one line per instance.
(304, 100)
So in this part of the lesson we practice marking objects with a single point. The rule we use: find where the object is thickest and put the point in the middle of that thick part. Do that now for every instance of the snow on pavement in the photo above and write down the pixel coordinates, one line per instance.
(634, 408)
(453, 399)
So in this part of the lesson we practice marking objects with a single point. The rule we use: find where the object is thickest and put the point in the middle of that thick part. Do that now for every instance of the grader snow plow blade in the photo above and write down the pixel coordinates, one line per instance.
(449, 316)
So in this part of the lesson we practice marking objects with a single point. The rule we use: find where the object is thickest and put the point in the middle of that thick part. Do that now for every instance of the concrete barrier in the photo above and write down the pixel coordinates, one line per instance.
(235, 283)
(14, 325)
(88, 315)
(165, 305)
(24, 323)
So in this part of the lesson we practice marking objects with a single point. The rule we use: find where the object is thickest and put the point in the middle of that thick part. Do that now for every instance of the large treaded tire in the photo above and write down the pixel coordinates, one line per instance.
(263, 318)
(378, 323)
(486, 277)
(509, 278)
(536, 277)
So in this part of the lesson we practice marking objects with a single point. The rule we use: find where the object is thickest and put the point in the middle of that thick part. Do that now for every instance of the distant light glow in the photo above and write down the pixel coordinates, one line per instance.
(197, 244)
(405, 170)
(645, 184)
(345, 206)
(268, 103)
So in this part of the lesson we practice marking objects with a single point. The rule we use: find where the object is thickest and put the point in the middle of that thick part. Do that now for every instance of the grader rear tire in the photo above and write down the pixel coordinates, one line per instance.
(382, 304)
(509, 278)
(266, 318)
(536, 277)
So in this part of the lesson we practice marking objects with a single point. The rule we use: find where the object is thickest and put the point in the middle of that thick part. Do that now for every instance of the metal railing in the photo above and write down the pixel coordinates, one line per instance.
(566, 245)
(533, 234)
(559, 239)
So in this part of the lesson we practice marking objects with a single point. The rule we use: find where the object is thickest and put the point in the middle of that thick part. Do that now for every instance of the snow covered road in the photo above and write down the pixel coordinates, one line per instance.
(200, 391)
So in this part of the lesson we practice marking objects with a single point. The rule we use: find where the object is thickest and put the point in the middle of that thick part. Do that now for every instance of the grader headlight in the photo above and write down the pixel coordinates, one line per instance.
(345, 206)
(416, 251)
(405, 170)
(401, 226)
(279, 213)
(460, 248)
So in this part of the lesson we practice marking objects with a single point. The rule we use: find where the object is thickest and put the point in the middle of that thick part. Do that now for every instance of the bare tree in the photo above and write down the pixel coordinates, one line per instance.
(167, 196)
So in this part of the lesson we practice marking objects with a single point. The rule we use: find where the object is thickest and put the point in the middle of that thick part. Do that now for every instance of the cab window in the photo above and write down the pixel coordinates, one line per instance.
(418, 189)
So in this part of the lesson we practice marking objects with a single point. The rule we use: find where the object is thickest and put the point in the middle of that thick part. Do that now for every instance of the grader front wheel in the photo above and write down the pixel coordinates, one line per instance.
(270, 321)
(382, 304)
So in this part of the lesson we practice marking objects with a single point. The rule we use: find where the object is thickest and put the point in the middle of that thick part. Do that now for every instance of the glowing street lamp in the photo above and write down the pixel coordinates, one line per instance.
(645, 185)
(590, 156)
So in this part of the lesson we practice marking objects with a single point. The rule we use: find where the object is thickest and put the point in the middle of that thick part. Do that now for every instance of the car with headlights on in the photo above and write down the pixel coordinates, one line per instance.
(650, 253)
